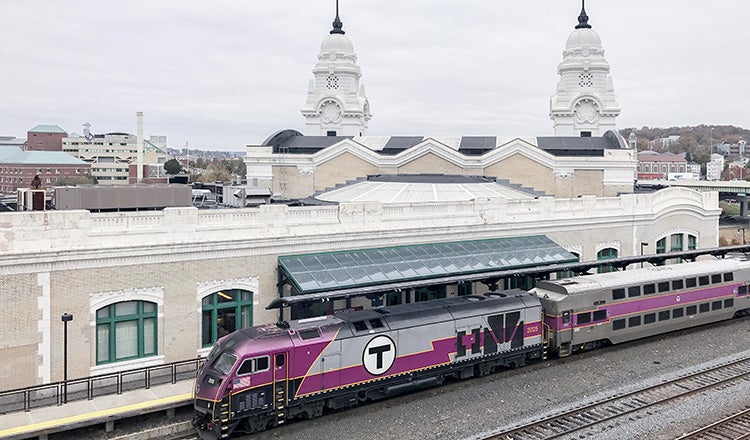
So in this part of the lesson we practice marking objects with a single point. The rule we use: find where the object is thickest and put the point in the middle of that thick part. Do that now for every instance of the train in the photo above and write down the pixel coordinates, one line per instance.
(263, 376)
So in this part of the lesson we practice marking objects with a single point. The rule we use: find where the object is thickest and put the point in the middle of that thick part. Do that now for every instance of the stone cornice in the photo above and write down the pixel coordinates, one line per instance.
(281, 230)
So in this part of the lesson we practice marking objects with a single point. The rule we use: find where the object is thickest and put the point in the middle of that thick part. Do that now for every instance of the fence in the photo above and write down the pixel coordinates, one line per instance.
(58, 393)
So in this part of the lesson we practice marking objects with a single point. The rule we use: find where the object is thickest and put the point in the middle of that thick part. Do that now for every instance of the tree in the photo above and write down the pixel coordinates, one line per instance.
(216, 171)
(687, 143)
(172, 166)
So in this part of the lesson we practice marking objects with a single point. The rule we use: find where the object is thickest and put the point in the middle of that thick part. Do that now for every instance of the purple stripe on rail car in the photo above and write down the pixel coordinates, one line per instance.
(644, 304)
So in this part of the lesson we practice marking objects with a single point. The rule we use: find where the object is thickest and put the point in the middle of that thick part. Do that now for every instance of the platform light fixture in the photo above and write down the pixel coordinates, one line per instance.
(65, 318)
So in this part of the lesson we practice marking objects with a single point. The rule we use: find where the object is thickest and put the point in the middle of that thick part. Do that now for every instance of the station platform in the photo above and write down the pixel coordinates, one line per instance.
(40, 422)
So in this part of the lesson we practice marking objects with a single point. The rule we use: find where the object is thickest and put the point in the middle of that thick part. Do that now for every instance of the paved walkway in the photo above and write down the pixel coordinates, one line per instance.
(39, 422)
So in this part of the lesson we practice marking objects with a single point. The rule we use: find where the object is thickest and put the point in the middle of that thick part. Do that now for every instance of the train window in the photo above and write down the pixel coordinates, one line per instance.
(690, 282)
(566, 317)
(742, 290)
(703, 281)
(254, 365)
(716, 278)
(262, 364)
(648, 289)
(692, 310)
(677, 284)
(309, 334)
(583, 318)
(376, 323)
(729, 303)
(716, 305)
(359, 326)
(618, 294)
(618, 324)
(729, 276)
(664, 286)
(634, 291)
(634, 321)
(600, 315)
(678, 313)
(704, 307)
(280, 360)
(649, 318)
(663, 315)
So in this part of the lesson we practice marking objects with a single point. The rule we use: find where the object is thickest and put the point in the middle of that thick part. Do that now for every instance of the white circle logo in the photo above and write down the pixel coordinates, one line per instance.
(378, 355)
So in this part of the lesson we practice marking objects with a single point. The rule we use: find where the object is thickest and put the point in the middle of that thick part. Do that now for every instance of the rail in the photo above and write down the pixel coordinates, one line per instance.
(59, 393)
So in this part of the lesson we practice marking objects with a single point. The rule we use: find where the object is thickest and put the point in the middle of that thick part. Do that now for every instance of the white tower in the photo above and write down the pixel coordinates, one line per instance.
(585, 103)
(336, 102)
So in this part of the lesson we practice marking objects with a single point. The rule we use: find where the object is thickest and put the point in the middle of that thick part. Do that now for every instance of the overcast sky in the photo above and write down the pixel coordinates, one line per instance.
(222, 74)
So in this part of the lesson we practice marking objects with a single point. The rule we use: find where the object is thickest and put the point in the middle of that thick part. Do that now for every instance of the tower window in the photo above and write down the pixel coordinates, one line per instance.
(331, 133)
(332, 82)
(585, 134)
(586, 80)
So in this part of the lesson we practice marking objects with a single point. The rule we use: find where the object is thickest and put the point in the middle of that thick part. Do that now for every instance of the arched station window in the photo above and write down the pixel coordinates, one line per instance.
(224, 312)
(125, 330)
(606, 254)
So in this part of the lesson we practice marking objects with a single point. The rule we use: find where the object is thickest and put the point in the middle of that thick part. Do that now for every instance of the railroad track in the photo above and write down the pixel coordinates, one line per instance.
(577, 419)
(736, 427)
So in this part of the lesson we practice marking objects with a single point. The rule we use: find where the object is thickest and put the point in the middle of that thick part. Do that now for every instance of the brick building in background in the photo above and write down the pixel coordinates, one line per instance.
(18, 168)
(45, 138)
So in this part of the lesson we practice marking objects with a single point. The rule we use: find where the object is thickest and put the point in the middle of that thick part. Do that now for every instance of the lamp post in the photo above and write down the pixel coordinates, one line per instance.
(65, 318)
(643, 244)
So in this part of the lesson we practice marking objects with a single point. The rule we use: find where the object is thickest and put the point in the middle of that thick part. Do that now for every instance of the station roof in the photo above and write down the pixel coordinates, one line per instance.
(312, 273)
(388, 188)
(293, 142)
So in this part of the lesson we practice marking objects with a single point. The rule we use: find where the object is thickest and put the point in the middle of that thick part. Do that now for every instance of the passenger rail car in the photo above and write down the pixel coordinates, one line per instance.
(589, 311)
(260, 377)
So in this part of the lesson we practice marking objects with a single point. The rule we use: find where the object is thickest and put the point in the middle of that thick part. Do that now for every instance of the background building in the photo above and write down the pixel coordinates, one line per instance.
(715, 167)
(45, 138)
(18, 168)
(653, 165)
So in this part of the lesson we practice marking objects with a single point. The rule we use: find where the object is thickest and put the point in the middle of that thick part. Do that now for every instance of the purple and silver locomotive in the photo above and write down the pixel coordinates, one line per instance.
(260, 377)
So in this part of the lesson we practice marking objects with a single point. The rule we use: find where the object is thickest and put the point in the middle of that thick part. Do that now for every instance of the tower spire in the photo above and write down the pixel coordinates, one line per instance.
(337, 24)
(583, 19)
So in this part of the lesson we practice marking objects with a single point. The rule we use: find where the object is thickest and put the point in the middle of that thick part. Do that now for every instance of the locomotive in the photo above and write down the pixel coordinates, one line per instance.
(260, 377)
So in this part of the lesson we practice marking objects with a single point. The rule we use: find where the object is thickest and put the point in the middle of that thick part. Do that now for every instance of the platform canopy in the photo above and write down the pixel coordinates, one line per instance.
(311, 273)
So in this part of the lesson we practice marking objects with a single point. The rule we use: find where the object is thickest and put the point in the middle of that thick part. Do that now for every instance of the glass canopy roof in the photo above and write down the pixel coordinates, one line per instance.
(312, 273)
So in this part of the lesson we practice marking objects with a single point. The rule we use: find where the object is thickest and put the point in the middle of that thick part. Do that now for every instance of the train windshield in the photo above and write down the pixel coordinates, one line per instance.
(225, 362)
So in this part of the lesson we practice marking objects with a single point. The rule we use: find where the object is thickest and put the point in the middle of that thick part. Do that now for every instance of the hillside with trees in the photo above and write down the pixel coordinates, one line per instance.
(695, 141)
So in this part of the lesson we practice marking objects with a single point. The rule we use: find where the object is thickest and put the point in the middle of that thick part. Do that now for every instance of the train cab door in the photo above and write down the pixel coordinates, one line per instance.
(280, 385)
(565, 333)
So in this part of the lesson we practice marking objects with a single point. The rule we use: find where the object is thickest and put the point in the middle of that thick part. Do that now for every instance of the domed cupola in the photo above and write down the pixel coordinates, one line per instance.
(585, 103)
(336, 101)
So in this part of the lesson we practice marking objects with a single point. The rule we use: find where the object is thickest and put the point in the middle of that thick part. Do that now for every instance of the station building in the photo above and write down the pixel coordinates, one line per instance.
(148, 288)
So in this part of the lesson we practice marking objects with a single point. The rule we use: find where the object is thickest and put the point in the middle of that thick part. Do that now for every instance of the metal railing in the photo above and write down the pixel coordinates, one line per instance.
(58, 393)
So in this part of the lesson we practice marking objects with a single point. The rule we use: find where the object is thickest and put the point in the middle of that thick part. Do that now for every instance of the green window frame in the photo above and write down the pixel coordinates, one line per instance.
(692, 242)
(429, 293)
(394, 298)
(464, 289)
(606, 254)
(224, 312)
(126, 330)
(661, 246)
(675, 243)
